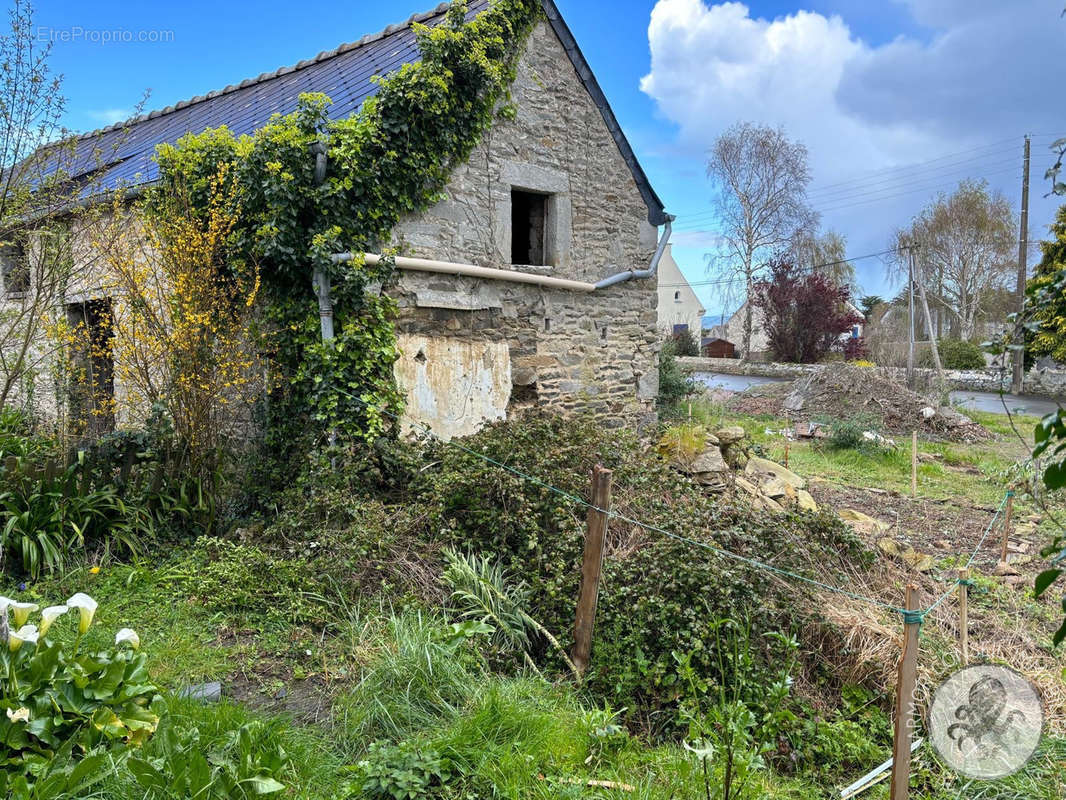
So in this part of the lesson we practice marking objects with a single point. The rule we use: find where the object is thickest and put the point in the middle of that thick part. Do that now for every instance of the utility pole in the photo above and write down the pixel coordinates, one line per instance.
(1018, 358)
(933, 346)
(910, 316)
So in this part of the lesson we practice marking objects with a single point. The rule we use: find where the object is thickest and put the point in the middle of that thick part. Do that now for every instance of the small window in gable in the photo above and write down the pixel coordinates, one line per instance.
(677, 297)
(14, 267)
(529, 217)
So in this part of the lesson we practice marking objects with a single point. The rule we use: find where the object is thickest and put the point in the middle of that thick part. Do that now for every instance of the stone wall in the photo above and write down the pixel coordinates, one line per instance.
(595, 352)
(1048, 383)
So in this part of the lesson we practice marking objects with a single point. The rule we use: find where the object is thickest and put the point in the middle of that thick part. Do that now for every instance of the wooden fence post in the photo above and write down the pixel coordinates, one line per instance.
(906, 681)
(591, 565)
(788, 437)
(964, 623)
(1006, 527)
(914, 463)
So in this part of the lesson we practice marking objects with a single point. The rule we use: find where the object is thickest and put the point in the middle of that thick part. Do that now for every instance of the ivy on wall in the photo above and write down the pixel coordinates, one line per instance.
(392, 158)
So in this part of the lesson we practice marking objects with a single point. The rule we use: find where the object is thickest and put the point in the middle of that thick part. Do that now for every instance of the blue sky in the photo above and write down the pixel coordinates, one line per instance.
(895, 99)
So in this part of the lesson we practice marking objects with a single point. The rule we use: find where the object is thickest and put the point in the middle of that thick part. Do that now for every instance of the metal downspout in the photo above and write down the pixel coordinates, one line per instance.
(629, 274)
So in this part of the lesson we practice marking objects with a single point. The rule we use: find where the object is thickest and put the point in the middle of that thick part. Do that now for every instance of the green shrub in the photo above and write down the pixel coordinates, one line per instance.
(860, 432)
(54, 694)
(659, 595)
(673, 385)
(242, 579)
(47, 513)
(843, 742)
(18, 438)
(954, 354)
(400, 772)
(687, 343)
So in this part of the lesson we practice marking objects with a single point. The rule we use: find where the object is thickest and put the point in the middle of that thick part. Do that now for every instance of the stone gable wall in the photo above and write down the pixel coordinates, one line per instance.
(571, 351)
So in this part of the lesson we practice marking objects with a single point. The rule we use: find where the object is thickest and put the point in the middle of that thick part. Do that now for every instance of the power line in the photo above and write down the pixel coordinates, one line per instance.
(902, 180)
(804, 269)
(693, 221)
(880, 198)
(889, 179)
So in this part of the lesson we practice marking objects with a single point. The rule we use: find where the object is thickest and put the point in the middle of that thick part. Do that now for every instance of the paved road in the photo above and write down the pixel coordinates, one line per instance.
(980, 401)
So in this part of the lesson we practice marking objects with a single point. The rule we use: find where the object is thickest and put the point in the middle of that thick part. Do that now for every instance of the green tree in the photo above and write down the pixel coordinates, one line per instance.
(869, 302)
(1049, 304)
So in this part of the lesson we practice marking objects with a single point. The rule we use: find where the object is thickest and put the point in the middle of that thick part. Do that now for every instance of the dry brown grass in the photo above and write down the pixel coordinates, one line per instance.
(862, 642)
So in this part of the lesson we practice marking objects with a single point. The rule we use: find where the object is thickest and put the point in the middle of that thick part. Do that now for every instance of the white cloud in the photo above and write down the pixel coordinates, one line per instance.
(109, 116)
(988, 71)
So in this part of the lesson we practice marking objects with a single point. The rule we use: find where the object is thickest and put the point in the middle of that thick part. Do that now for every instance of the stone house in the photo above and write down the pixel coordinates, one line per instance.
(532, 282)
(679, 307)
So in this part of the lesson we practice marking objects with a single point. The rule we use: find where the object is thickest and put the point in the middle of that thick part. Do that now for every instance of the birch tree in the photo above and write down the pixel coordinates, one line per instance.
(761, 179)
(967, 248)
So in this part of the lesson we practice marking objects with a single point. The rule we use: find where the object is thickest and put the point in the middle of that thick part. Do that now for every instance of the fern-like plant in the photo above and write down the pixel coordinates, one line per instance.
(482, 590)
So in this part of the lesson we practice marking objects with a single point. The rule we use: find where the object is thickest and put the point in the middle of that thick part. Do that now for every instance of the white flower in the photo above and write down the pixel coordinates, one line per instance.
(128, 635)
(27, 633)
(21, 612)
(87, 606)
(22, 715)
(49, 615)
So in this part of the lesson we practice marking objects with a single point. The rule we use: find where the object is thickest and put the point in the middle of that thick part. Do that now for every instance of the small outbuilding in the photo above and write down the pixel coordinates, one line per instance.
(713, 347)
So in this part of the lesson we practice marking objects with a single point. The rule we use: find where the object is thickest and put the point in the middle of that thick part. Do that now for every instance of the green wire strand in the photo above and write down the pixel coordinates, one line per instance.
(910, 617)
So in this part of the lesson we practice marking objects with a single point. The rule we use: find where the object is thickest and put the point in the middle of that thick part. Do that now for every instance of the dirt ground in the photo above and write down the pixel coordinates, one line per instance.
(940, 528)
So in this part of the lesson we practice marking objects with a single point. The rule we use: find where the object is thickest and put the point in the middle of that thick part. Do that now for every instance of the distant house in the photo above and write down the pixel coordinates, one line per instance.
(679, 307)
(732, 330)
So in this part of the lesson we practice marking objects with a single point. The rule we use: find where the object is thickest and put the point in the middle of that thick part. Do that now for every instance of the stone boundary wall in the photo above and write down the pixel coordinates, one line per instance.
(1049, 383)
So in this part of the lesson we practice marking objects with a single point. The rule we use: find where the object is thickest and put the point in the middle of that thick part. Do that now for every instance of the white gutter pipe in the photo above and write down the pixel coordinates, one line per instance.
(472, 271)
(513, 276)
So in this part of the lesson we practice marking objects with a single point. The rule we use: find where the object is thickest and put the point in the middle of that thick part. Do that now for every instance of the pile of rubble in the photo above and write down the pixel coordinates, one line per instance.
(843, 392)
(723, 461)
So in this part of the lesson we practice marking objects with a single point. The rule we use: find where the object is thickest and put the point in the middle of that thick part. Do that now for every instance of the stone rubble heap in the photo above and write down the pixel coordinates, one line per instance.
(726, 463)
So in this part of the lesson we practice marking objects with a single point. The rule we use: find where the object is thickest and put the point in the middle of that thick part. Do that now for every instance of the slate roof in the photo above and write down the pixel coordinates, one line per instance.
(124, 152)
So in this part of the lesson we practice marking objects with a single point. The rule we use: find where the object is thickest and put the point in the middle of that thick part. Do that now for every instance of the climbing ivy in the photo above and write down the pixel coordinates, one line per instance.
(392, 158)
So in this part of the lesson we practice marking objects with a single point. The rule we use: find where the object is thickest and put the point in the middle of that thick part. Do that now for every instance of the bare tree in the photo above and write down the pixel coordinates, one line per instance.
(761, 179)
(966, 253)
(826, 254)
(46, 179)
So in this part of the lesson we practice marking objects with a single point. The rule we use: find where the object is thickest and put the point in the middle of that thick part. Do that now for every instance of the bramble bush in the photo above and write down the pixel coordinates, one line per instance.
(659, 596)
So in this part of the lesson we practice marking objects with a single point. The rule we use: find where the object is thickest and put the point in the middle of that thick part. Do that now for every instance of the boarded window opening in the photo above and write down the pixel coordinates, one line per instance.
(92, 368)
(15, 267)
(529, 215)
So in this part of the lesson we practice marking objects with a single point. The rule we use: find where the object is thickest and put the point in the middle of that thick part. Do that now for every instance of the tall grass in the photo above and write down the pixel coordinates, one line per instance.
(417, 679)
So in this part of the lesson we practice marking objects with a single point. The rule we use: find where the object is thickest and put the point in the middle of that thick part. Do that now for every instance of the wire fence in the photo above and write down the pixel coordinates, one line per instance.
(909, 616)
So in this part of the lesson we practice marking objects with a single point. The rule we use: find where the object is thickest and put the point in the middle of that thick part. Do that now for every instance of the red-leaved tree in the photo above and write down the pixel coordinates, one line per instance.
(804, 313)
